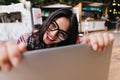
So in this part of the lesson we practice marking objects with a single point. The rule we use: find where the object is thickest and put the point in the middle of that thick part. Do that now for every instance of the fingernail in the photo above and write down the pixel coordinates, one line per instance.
(95, 47)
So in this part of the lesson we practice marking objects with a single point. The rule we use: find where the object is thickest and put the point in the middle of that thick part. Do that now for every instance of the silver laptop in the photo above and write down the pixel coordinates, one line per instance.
(74, 62)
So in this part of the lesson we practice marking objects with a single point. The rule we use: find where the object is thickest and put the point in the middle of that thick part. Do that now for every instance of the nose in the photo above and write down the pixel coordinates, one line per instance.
(54, 34)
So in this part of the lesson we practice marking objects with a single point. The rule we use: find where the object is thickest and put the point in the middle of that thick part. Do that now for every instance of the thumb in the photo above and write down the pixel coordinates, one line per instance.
(85, 39)
(22, 47)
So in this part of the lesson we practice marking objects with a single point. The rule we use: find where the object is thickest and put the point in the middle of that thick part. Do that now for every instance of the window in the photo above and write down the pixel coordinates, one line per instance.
(10, 17)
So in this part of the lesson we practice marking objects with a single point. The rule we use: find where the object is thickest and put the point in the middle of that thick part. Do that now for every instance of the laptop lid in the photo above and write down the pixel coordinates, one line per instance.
(74, 62)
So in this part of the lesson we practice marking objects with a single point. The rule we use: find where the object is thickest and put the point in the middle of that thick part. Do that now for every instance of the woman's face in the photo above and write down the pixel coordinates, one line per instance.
(57, 31)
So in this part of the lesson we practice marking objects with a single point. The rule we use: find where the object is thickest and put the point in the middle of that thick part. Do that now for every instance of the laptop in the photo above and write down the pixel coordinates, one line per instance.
(74, 62)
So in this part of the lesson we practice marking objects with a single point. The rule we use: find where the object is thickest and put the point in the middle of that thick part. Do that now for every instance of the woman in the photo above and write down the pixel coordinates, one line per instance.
(64, 23)
(59, 29)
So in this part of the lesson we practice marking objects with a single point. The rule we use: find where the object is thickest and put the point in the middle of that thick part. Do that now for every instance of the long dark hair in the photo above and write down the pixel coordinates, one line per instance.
(72, 32)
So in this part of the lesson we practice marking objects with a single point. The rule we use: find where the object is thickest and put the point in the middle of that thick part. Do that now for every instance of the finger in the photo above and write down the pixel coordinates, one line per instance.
(106, 40)
(1, 43)
(14, 53)
(100, 41)
(93, 42)
(22, 47)
(86, 39)
(4, 61)
(112, 38)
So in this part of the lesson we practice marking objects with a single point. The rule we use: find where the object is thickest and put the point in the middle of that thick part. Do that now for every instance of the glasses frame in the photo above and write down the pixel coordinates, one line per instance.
(59, 31)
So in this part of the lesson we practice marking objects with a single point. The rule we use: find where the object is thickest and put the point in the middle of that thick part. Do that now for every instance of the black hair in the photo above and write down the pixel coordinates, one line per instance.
(72, 32)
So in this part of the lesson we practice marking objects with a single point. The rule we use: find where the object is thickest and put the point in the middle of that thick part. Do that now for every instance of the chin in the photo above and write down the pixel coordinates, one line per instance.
(46, 40)
(47, 43)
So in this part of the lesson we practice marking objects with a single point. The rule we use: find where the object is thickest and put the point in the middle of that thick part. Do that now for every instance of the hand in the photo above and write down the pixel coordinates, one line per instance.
(10, 54)
(99, 41)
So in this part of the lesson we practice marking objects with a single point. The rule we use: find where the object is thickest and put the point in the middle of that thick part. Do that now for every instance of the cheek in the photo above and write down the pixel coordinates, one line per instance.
(47, 41)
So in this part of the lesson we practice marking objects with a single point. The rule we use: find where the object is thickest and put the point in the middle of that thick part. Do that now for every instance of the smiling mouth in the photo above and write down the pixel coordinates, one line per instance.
(49, 37)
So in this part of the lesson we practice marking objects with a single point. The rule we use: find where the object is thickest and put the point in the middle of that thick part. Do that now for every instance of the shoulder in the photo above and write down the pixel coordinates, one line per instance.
(24, 37)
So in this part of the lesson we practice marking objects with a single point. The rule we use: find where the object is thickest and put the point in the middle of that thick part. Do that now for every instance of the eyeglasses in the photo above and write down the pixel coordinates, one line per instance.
(62, 35)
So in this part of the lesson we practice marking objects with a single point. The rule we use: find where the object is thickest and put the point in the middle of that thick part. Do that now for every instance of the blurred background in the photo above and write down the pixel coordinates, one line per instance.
(18, 17)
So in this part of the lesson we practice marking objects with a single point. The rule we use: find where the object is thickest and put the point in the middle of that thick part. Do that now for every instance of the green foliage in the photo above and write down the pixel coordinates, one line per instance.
(37, 3)
(7, 2)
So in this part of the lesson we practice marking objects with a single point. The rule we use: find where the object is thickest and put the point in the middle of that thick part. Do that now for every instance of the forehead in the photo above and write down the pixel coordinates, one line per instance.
(63, 22)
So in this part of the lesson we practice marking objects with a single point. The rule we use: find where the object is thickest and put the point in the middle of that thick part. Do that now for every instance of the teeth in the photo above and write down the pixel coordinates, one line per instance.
(50, 37)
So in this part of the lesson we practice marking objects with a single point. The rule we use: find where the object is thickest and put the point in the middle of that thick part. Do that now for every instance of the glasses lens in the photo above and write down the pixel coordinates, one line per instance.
(62, 35)
(53, 26)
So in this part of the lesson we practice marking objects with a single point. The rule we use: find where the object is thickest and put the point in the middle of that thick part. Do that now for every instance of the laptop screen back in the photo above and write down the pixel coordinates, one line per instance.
(75, 62)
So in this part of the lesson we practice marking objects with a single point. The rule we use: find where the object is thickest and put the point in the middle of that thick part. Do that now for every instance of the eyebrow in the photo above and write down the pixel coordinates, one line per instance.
(59, 30)
(58, 26)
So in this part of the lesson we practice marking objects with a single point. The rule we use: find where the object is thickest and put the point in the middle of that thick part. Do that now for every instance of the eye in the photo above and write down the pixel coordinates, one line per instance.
(62, 35)
(52, 26)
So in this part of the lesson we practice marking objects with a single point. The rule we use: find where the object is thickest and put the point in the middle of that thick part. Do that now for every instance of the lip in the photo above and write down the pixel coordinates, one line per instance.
(49, 37)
